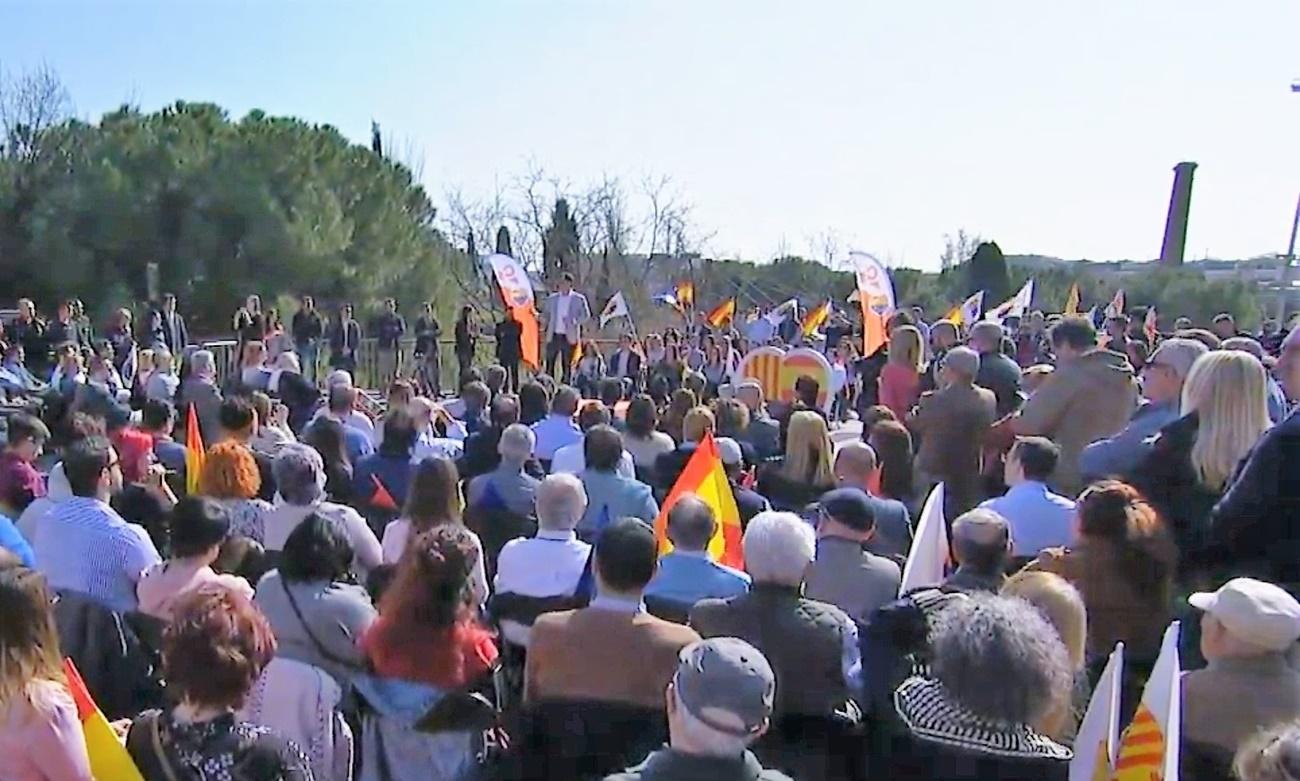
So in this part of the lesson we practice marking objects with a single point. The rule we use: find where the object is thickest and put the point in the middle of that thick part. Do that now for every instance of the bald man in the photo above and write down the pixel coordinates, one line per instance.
(855, 467)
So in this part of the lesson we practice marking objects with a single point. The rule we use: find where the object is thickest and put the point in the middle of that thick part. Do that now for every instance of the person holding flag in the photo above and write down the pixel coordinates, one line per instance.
(43, 737)
(815, 319)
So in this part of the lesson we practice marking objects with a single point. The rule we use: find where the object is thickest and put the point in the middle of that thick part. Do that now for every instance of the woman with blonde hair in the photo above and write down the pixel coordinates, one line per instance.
(1062, 606)
(805, 472)
(900, 379)
(1224, 412)
(40, 733)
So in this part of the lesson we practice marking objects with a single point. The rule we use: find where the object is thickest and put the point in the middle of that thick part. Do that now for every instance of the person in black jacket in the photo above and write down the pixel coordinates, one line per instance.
(345, 339)
(427, 355)
(466, 341)
(390, 327)
(307, 328)
(510, 349)
(997, 372)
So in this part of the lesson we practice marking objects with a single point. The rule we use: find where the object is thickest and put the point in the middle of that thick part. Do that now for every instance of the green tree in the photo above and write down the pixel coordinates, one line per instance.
(987, 271)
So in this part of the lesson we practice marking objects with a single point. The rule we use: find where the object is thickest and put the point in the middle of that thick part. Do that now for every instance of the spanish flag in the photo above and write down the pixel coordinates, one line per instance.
(815, 318)
(1149, 746)
(685, 294)
(1072, 301)
(194, 452)
(108, 757)
(705, 477)
(722, 313)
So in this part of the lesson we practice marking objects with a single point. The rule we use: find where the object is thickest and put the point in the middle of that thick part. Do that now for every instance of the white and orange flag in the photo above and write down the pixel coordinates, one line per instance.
(927, 562)
(1148, 750)
(517, 293)
(1097, 740)
(875, 296)
(1116, 306)
(705, 477)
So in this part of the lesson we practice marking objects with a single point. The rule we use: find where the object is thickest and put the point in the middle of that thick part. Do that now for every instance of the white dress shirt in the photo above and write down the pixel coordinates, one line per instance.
(548, 565)
(571, 459)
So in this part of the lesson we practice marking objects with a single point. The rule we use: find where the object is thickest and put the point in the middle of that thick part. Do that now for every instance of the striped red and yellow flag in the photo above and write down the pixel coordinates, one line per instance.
(722, 313)
(816, 317)
(194, 452)
(1149, 747)
(108, 757)
(686, 294)
(705, 477)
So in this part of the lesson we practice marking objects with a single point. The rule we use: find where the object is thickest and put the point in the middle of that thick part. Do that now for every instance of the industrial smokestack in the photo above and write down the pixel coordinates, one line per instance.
(1180, 204)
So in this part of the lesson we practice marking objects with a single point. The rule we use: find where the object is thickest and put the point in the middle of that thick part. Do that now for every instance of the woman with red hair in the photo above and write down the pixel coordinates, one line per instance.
(426, 631)
(145, 498)
(230, 476)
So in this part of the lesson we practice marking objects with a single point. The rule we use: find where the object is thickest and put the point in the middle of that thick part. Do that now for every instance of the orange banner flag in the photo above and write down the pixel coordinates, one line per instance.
(108, 757)
(705, 477)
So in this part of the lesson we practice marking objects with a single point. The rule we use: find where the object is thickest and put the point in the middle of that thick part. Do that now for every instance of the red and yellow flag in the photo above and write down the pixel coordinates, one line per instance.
(108, 757)
(705, 477)
(194, 452)
(1072, 301)
(1149, 747)
(722, 313)
(816, 317)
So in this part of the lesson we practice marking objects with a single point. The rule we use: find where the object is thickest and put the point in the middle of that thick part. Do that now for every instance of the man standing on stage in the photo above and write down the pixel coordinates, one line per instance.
(390, 327)
(566, 311)
(307, 328)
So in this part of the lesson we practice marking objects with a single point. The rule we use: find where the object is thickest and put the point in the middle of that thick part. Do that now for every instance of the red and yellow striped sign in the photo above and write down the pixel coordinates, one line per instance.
(777, 371)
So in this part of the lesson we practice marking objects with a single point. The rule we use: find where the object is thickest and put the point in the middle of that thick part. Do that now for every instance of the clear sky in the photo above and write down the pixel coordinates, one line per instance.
(1051, 127)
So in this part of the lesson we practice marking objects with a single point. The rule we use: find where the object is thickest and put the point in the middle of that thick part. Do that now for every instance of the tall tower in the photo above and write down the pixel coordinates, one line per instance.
(1180, 204)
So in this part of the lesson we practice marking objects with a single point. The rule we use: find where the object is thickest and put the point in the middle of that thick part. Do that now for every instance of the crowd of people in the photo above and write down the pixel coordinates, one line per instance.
(474, 587)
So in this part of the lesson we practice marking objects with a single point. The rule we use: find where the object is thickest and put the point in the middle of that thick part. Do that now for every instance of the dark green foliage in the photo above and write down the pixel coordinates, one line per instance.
(987, 271)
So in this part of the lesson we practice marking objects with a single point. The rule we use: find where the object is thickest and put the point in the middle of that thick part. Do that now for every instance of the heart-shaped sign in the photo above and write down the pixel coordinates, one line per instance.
(777, 370)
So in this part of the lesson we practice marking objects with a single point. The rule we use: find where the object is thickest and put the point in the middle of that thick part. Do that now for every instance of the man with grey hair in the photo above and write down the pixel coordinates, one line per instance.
(855, 467)
(952, 423)
(997, 668)
(687, 574)
(508, 486)
(719, 702)
(981, 545)
(300, 479)
(763, 432)
(200, 390)
(812, 646)
(1162, 390)
(551, 563)
(997, 372)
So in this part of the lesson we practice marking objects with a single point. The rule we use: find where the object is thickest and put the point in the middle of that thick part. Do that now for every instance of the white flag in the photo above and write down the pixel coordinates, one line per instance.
(616, 307)
(927, 562)
(972, 308)
(781, 312)
(1016, 306)
(1097, 741)
(1149, 747)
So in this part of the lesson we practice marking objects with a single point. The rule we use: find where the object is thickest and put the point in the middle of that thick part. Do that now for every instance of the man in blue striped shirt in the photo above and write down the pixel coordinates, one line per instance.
(83, 545)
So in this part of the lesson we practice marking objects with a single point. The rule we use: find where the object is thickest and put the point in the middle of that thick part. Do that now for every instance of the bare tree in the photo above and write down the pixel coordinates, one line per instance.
(825, 246)
(958, 249)
(30, 106)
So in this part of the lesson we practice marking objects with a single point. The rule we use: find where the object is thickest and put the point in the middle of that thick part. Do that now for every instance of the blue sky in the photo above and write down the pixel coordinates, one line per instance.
(1049, 126)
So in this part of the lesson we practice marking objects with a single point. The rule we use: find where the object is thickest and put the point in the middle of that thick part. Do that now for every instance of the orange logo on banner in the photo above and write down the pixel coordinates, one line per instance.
(777, 371)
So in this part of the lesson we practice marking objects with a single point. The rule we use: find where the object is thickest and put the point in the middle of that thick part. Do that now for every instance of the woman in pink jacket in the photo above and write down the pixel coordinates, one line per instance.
(40, 734)
(900, 379)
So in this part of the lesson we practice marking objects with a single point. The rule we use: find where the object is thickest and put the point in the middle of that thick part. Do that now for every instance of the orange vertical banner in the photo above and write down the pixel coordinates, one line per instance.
(875, 296)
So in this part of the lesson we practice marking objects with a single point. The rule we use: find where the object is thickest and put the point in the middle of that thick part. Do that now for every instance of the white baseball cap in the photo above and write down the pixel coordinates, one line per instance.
(1252, 610)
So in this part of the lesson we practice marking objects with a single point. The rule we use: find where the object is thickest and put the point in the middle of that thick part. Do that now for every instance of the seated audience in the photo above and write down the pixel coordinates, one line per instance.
(158, 419)
(688, 574)
(230, 477)
(434, 428)
(213, 652)
(610, 495)
(145, 498)
(997, 668)
(433, 500)
(845, 573)
(325, 436)
(856, 467)
(341, 408)
(83, 545)
(1037, 517)
(239, 423)
(558, 429)
(812, 646)
(719, 702)
(198, 528)
(508, 484)
(1247, 629)
(200, 391)
(1062, 606)
(481, 454)
(427, 631)
(300, 475)
(748, 501)
(552, 563)
(312, 600)
(981, 547)
(380, 480)
(42, 736)
(1122, 562)
(696, 423)
(763, 433)
(805, 472)
(612, 650)
(641, 437)
(20, 483)
(571, 458)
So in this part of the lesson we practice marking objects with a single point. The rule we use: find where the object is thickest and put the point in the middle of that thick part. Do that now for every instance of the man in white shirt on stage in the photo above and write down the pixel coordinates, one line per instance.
(566, 310)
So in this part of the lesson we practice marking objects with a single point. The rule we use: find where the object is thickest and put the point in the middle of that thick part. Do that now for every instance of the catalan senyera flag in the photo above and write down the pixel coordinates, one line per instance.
(686, 294)
(1149, 325)
(1149, 747)
(1097, 740)
(722, 313)
(108, 757)
(1116, 305)
(1072, 301)
(194, 452)
(705, 477)
(927, 562)
(816, 317)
